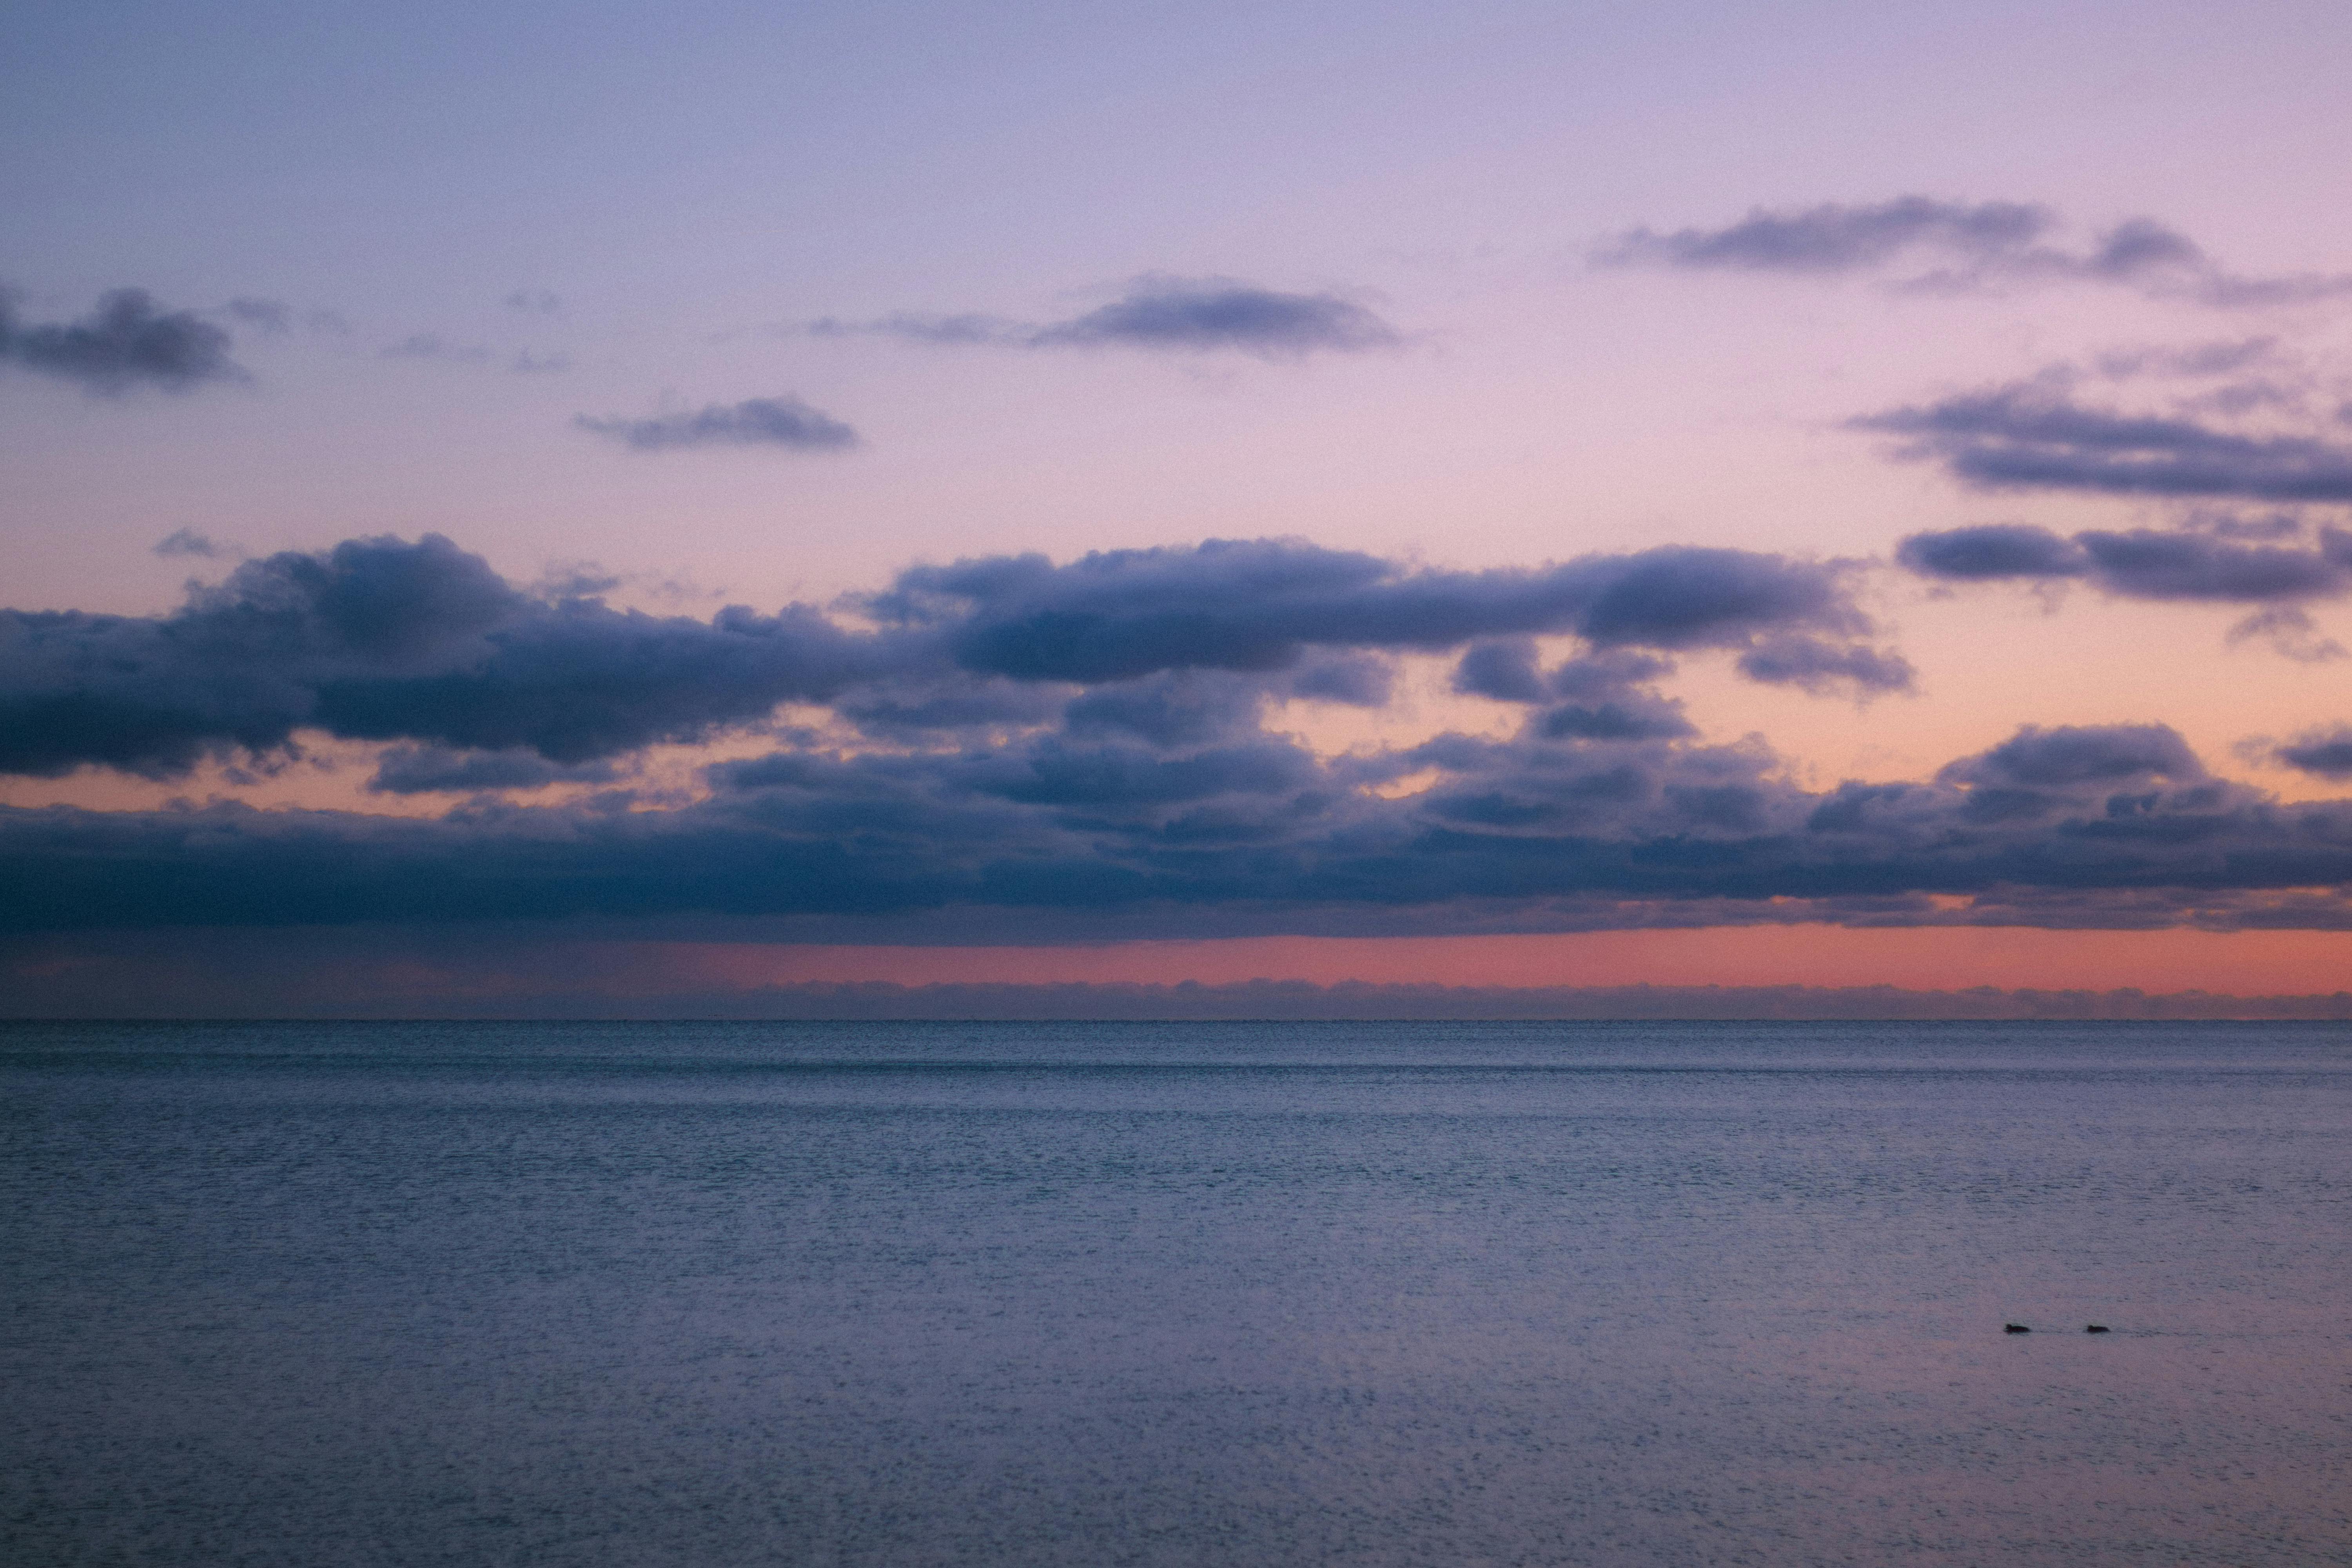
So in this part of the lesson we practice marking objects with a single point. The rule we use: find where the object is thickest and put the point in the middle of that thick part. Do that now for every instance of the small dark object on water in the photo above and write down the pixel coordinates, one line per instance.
(2015, 1329)
(2096, 1329)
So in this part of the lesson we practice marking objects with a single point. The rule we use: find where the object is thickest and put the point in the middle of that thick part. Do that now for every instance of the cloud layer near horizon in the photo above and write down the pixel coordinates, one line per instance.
(1085, 745)
(1100, 831)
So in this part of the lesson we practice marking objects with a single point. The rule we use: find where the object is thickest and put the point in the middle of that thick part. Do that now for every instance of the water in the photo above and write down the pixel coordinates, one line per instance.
(1159, 1294)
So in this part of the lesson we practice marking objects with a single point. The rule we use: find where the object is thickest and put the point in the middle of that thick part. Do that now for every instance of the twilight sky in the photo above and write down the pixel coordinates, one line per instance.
(718, 495)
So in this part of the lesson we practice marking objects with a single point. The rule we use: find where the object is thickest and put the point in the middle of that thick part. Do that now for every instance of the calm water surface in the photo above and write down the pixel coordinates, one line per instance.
(1198, 1294)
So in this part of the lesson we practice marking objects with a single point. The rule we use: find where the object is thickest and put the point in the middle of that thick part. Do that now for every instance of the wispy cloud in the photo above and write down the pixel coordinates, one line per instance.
(262, 315)
(187, 541)
(785, 422)
(434, 346)
(1158, 311)
(1962, 245)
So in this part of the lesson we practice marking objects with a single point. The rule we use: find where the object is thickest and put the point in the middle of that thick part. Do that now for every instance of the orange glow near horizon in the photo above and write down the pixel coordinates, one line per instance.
(1936, 958)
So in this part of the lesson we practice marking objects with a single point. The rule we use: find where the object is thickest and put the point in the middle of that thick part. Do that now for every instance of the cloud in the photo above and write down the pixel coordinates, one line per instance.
(264, 315)
(1082, 748)
(2224, 358)
(2076, 827)
(1991, 552)
(1606, 695)
(1818, 666)
(1832, 238)
(124, 344)
(2073, 756)
(1966, 245)
(1019, 746)
(526, 363)
(917, 327)
(2139, 563)
(1219, 313)
(1502, 670)
(2290, 632)
(2204, 560)
(432, 345)
(2326, 753)
(188, 542)
(1257, 604)
(2033, 436)
(756, 422)
(381, 640)
(535, 301)
(1159, 311)
(420, 770)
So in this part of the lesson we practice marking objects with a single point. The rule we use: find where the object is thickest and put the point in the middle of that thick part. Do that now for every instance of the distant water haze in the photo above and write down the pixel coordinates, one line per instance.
(1086, 1293)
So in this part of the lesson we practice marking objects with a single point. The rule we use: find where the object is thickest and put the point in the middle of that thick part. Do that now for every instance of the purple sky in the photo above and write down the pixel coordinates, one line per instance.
(910, 475)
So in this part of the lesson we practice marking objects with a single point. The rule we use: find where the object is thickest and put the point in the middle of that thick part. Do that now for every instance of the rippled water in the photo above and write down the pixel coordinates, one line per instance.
(1199, 1294)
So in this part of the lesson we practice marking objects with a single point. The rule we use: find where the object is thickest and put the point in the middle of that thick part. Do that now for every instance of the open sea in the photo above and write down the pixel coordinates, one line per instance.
(1639, 1295)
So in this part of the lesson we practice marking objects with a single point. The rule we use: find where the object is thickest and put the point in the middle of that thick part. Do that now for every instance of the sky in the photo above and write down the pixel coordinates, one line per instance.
(718, 495)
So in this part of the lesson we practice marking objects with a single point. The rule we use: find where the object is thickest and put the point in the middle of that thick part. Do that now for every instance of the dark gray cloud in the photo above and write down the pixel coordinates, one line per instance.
(2324, 752)
(1158, 311)
(423, 769)
(1220, 314)
(2084, 826)
(1602, 695)
(125, 343)
(1816, 665)
(1016, 746)
(1504, 670)
(381, 639)
(1964, 246)
(1258, 604)
(2072, 756)
(2033, 436)
(2140, 563)
(1992, 552)
(784, 422)
(1356, 681)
